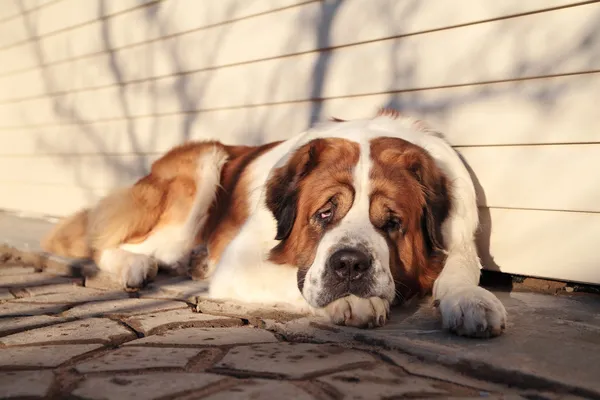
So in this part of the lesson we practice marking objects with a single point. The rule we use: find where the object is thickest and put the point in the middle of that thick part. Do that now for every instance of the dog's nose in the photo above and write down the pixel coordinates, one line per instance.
(349, 263)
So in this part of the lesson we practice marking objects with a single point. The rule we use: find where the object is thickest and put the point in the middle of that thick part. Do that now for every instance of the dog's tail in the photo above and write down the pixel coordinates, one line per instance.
(69, 237)
(125, 214)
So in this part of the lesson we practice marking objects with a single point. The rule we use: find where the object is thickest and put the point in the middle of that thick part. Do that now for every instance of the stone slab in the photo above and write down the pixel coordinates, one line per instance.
(76, 295)
(23, 232)
(25, 383)
(16, 309)
(13, 325)
(132, 358)
(5, 294)
(37, 279)
(48, 289)
(548, 338)
(122, 307)
(385, 381)
(143, 387)
(291, 360)
(206, 337)
(96, 279)
(255, 314)
(92, 330)
(43, 356)
(261, 389)
(9, 270)
(416, 367)
(177, 288)
(150, 324)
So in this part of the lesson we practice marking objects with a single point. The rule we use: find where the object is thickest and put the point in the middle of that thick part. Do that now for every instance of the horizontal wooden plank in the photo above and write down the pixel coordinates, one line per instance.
(531, 177)
(299, 29)
(545, 244)
(54, 16)
(68, 15)
(90, 34)
(12, 31)
(545, 111)
(47, 199)
(537, 177)
(13, 8)
(10, 9)
(414, 62)
(87, 171)
(220, 46)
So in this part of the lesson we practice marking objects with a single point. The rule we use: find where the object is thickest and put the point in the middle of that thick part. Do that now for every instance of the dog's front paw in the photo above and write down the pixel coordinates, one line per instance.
(138, 270)
(358, 312)
(473, 311)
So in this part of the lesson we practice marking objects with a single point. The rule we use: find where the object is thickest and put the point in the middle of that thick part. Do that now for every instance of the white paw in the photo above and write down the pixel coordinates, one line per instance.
(358, 312)
(137, 270)
(473, 311)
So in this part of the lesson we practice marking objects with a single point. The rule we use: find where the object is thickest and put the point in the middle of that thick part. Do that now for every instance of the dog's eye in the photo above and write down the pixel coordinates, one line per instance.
(325, 214)
(393, 224)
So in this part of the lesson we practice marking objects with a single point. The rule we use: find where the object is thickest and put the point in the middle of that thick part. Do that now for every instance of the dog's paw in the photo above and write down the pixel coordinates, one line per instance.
(137, 270)
(358, 312)
(472, 311)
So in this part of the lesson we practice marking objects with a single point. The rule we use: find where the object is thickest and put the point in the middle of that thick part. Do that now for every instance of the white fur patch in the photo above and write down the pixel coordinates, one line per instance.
(358, 312)
(355, 229)
(473, 311)
(129, 269)
(243, 273)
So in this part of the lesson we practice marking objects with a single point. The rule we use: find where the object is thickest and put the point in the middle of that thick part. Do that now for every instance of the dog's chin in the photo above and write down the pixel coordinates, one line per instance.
(324, 297)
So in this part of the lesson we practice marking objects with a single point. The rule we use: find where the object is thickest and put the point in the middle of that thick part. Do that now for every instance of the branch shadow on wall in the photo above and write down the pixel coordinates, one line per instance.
(122, 161)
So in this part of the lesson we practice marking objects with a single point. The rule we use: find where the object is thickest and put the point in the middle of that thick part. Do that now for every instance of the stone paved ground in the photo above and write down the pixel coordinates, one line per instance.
(70, 337)
(60, 338)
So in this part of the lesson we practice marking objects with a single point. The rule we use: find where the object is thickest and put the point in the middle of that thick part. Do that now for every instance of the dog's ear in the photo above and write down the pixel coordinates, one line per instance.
(437, 202)
(283, 186)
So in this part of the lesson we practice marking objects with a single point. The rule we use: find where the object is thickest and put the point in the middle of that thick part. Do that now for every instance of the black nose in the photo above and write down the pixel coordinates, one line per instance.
(349, 263)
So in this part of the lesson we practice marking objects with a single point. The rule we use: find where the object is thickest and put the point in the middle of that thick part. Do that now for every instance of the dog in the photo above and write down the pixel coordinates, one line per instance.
(342, 220)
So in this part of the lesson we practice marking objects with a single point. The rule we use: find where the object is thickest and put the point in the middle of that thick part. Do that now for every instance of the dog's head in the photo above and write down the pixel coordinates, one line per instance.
(359, 217)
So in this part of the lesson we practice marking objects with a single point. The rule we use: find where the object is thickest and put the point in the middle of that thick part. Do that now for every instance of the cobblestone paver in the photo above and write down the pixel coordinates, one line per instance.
(64, 337)
(43, 356)
(25, 383)
(160, 322)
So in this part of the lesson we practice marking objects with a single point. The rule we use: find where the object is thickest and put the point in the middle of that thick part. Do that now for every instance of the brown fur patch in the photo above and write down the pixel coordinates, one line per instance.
(131, 214)
(69, 237)
(407, 184)
(319, 172)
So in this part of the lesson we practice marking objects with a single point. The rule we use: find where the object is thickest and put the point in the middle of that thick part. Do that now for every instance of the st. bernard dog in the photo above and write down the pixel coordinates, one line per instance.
(343, 220)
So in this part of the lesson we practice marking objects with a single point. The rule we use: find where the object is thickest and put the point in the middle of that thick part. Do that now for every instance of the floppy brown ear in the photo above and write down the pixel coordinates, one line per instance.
(282, 187)
(437, 200)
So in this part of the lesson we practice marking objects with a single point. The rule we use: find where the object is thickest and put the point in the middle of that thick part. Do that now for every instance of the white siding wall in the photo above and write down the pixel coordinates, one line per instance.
(92, 91)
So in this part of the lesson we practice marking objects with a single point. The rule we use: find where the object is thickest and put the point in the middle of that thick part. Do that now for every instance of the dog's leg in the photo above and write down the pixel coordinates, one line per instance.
(129, 269)
(466, 308)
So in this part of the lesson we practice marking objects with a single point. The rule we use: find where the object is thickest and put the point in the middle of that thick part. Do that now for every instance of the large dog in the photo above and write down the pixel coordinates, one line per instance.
(343, 220)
